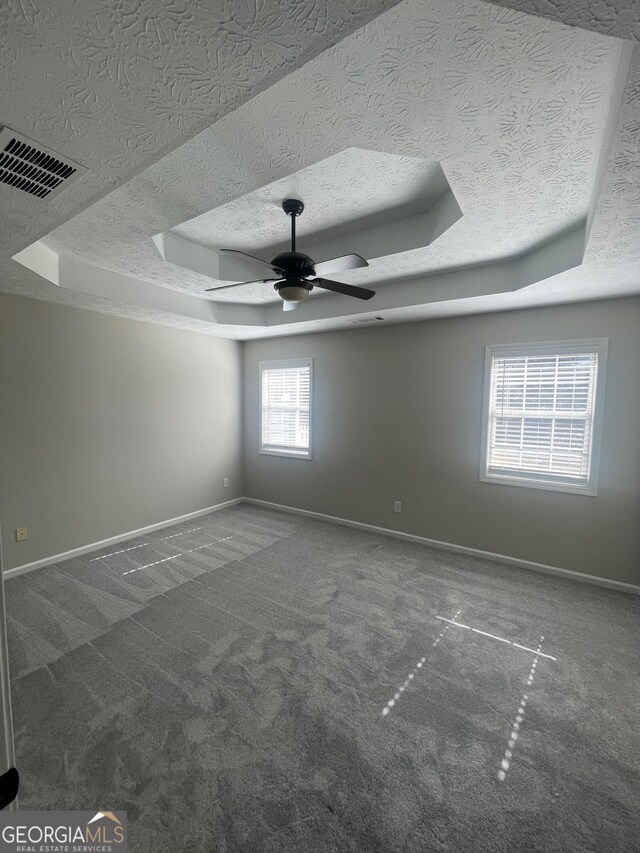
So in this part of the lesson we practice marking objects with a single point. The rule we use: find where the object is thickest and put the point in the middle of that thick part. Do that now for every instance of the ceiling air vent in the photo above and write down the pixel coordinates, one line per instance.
(360, 320)
(31, 168)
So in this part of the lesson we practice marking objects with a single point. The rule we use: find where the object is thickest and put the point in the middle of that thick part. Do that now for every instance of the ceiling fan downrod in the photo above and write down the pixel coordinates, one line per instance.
(293, 207)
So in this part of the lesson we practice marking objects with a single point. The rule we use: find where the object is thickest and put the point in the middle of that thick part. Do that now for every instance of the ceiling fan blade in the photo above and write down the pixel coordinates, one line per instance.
(289, 306)
(345, 262)
(248, 257)
(242, 283)
(340, 287)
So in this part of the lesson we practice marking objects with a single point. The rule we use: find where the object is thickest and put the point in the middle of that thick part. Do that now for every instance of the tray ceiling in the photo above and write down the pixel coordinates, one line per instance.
(532, 126)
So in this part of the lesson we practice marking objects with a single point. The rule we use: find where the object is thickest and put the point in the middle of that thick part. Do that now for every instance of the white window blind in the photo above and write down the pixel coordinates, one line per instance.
(541, 415)
(286, 405)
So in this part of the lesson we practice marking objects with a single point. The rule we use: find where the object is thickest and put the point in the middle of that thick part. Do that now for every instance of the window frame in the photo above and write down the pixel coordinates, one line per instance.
(283, 363)
(535, 480)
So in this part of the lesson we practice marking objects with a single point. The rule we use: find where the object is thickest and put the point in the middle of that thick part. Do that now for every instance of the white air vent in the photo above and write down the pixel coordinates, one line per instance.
(31, 168)
(360, 320)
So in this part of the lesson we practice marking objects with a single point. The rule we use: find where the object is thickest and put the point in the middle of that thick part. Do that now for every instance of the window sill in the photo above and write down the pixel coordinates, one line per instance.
(546, 485)
(289, 454)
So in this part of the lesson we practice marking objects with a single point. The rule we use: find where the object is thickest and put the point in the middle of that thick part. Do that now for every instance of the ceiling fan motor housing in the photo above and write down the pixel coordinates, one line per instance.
(293, 264)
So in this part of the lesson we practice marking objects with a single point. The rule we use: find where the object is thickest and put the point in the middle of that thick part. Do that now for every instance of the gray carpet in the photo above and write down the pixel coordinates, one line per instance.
(286, 685)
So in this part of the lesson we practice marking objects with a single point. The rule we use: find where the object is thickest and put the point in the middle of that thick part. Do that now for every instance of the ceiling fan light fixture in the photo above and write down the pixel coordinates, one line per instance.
(293, 292)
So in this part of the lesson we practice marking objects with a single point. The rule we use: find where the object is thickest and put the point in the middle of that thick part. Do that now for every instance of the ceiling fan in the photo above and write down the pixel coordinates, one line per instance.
(297, 274)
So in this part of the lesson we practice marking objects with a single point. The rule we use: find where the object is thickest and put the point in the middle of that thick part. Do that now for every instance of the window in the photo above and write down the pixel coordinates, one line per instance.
(285, 402)
(543, 415)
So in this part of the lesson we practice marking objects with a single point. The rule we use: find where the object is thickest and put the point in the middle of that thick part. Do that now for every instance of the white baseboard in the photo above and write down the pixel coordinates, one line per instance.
(385, 531)
(459, 549)
(113, 540)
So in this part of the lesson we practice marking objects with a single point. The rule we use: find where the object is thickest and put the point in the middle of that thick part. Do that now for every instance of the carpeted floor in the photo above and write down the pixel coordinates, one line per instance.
(255, 681)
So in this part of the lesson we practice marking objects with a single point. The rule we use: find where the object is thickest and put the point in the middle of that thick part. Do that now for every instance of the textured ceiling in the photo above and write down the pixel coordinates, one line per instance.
(115, 84)
(343, 194)
(620, 18)
(337, 192)
(516, 109)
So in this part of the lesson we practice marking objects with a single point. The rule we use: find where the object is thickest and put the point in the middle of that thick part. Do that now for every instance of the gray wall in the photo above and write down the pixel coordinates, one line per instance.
(108, 425)
(398, 413)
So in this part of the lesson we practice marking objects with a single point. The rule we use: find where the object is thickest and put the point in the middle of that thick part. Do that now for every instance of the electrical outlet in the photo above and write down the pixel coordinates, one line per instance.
(21, 534)
(397, 506)
(225, 482)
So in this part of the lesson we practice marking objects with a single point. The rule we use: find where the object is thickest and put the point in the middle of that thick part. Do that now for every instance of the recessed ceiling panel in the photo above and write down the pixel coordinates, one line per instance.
(338, 193)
